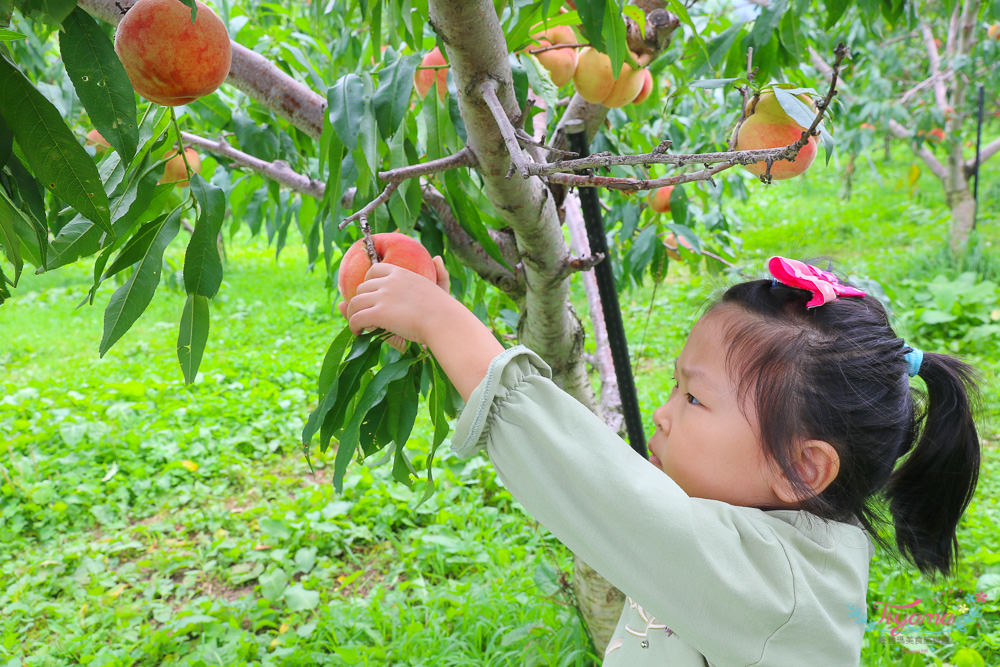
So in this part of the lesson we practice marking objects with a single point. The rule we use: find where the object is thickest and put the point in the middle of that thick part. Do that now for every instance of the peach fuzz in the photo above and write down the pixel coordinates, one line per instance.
(169, 60)
(392, 247)
(423, 79)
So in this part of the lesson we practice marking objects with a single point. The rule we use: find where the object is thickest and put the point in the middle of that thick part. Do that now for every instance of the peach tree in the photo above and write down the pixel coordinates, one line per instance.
(318, 132)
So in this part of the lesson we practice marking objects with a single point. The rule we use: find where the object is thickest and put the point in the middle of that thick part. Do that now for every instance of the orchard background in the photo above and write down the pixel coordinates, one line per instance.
(157, 514)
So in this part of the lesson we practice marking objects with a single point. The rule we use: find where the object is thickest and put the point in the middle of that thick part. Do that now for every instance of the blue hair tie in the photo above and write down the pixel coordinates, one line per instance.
(915, 359)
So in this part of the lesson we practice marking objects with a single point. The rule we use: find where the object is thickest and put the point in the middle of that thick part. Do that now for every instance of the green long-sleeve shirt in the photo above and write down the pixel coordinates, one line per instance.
(706, 582)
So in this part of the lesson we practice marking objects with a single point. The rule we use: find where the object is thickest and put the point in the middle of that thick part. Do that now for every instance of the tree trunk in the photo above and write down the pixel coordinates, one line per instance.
(963, 210)
(599, 603)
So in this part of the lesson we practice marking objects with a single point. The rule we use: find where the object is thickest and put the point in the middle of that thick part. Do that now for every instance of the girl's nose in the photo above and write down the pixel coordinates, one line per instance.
(661, 418)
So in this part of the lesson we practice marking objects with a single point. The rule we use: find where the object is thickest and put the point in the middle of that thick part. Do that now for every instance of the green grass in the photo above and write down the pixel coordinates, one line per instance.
(143, 521)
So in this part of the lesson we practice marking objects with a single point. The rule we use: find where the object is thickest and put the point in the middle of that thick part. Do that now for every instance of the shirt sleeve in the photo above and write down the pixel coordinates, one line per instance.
(720, 576)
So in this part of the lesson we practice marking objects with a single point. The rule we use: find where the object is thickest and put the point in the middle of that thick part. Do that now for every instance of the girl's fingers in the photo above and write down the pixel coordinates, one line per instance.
(443, 279)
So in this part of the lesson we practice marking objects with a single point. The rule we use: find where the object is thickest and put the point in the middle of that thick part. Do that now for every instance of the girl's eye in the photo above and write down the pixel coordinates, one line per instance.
(692, 400)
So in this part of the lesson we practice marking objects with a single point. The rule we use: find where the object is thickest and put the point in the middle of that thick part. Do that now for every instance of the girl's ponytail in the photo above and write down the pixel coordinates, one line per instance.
(930, 490)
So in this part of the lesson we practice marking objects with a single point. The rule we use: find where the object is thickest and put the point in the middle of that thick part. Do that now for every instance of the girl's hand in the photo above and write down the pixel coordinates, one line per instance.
(397, 300)
(409, 305)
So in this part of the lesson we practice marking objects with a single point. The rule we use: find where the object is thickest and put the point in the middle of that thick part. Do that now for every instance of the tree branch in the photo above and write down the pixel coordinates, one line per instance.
(463, 158)
(279, 170)
(471, 252)
(985, 153)
(923, 153)
(506, 128)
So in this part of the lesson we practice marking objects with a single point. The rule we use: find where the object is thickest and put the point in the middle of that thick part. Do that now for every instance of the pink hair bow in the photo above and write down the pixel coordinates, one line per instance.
(824, 286)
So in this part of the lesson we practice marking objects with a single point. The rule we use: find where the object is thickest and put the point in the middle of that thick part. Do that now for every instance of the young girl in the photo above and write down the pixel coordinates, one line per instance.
(744, 539)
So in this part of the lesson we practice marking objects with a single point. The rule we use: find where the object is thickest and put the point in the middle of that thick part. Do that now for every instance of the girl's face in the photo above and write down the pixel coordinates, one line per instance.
(703, 439)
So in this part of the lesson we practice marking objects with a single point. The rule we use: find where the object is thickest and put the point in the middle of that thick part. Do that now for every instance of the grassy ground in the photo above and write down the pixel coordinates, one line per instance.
(147, 522)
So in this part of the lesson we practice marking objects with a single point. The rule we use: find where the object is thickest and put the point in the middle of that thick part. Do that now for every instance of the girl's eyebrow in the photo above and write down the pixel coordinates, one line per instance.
(693, 372)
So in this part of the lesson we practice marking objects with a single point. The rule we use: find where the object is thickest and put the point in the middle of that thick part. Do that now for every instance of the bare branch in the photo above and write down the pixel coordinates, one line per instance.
(366, 230)
(370, 207)
(633, 184)
(279, 170)
(940, 94)
(471, 251)
(489, 91)
(985, 153)
(463, 158)
(923, 153)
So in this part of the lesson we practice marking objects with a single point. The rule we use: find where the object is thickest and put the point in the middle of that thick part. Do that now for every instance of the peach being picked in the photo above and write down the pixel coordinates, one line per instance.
(768, 126)
(168, 59)
(392, 247)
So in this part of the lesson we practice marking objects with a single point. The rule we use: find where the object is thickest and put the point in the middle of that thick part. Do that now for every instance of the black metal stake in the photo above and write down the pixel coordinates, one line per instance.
(609, 299)
(975, 171)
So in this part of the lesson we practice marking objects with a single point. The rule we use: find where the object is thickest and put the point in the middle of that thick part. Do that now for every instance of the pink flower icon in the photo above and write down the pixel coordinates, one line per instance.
(980, 596)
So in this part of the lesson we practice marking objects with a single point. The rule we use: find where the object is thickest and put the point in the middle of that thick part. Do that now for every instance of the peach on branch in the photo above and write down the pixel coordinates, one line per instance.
(671, 241)
(169, 59)
(392, 247)
(432, 71)
(659, 201)
(768, 126)
(993, 32)
(561, 63)
(175, 171)
(595, 83)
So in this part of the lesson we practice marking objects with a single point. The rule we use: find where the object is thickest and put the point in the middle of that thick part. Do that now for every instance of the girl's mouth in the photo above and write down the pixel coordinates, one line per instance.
(655, 461)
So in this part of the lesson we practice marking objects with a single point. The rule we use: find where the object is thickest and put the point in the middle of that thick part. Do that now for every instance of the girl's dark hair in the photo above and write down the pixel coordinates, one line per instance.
(837, 373)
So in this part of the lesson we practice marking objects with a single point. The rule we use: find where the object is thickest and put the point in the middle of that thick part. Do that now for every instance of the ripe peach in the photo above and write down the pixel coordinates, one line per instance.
(993, 32)
(392, 247)
(558, 34)
(647, 87)
(659, 201)
(561, 63)
(425, 78)
(595, 84)
(176, 172)
(768, 126)
(96, 139)
(168, 59)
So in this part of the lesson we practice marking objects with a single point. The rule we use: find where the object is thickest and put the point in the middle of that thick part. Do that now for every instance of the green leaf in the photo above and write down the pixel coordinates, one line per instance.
(374, 393)
(52, 150)
(202, 264)
(834, 10)
(8, 235)
(130, 300)
(11, 36)
(331, 361)
(767, 22)
(346, 106)
(272, 584)
(136, 247)
(298, 598)
(193, 335)
(616, 46)
(709, 84)
(392, 96)
(796, 109)
(100, 81)
(592, 13)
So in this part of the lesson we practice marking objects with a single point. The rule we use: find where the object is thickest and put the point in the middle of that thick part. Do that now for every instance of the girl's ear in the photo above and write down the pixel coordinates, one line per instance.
(817, 463)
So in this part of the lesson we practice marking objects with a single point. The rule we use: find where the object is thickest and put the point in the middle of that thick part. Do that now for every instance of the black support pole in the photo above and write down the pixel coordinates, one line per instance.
(609, 299)
(979, 139)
